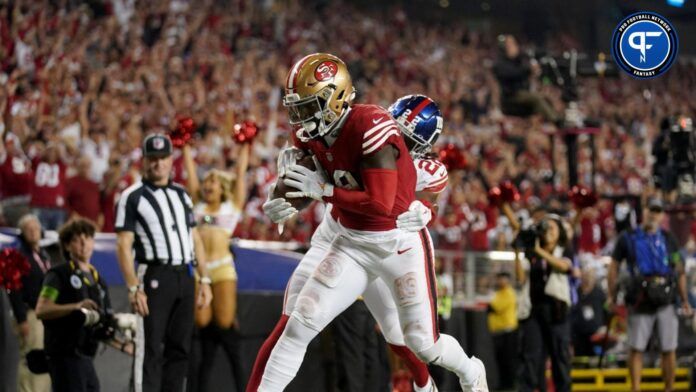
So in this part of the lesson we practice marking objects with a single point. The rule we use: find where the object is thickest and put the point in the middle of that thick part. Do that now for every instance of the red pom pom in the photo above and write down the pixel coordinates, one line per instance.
(245, 132)
(509, 192)
(452, 157)
(183, 132)
(582, 197)
(13, 265)
(495, 196)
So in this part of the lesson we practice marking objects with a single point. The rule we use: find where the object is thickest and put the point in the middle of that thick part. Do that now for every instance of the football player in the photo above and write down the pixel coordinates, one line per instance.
(420, 130)
(358, 144)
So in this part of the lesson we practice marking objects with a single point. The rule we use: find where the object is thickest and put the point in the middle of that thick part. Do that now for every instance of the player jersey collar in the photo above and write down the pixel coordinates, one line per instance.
(332, 135)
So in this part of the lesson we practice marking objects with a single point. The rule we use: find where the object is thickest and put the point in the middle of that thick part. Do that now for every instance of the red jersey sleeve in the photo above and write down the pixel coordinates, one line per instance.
(381, 130)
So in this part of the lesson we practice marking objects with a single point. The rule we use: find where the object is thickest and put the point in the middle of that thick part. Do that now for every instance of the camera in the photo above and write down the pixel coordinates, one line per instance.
(103, 326)
(563, 71)
(526, 239)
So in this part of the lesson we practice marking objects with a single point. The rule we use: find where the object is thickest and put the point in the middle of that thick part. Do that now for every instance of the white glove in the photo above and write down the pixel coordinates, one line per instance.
(416, 218)
(278, 210)
(308, 183)
(288, 156)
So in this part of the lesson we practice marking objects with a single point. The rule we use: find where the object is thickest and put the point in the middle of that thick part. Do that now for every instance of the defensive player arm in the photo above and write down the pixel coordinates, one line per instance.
(380, 180)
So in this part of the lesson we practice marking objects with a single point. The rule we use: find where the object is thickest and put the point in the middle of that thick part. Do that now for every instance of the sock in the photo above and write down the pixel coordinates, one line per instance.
(427, 387)
(418, 369)
(264, 353)
(453, 358)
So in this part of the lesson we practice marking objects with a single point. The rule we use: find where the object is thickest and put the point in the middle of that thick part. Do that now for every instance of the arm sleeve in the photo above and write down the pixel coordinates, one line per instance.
(377, 198)
(126, 212)
(51, 286)
(188, 207)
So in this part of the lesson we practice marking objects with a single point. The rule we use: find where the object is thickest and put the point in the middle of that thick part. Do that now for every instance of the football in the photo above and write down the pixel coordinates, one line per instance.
(281, 189)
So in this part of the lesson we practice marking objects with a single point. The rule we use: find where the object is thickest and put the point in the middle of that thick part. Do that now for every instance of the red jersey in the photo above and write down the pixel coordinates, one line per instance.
(367, 129)
(590, 238)
(48, 190)
(84, 197)
(15, 176)
(108, 201)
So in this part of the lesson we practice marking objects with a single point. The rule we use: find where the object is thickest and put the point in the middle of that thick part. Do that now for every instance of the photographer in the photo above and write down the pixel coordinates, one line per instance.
(657, 272)
(513, 71)
(75, 308)
(547, 330)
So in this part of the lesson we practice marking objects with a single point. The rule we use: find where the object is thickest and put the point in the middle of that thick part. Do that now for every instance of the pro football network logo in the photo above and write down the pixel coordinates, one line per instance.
(645, 45)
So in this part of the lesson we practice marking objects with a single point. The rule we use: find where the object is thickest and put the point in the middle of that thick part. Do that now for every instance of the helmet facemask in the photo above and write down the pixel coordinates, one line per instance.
(420, 146)
(312, 113)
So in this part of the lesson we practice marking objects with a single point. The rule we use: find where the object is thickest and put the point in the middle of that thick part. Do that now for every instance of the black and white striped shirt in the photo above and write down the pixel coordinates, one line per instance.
(161, 217)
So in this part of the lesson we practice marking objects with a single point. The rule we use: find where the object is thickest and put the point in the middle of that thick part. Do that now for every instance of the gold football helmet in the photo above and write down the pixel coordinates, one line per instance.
(318, 92)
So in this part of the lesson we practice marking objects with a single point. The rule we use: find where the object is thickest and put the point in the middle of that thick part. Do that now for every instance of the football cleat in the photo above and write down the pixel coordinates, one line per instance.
(480, 384)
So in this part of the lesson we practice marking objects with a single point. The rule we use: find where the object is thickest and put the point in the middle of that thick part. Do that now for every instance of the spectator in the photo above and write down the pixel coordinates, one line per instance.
(83, 195)
(502, 323)
(96, 148)
(31, 331)
(587, 316)
(15, 180)
(72, 300)
(48, 190)
(513, 71)
(657, 274)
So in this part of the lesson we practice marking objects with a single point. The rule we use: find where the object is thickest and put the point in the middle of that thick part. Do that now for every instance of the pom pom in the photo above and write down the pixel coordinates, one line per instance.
(509, 192)
(495, 196)
(245, 132)
(452, 157)
(13, 265)
(183, 132)
(582, 197)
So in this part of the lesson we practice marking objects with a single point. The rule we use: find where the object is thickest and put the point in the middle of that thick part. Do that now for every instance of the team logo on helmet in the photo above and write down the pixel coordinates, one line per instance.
(645, 45)
(325, 71)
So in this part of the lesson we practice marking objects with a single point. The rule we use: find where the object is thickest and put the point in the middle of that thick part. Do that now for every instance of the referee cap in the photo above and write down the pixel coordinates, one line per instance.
(157, 145)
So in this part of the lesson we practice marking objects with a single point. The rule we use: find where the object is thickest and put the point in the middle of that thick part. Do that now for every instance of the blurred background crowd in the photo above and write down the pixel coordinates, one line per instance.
(82, 83)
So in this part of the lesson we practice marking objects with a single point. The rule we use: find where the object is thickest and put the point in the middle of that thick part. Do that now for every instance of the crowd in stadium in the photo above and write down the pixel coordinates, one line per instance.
(82, 84)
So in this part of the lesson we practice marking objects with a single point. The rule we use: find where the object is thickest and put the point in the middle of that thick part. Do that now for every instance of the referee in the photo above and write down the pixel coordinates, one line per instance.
(156, 228)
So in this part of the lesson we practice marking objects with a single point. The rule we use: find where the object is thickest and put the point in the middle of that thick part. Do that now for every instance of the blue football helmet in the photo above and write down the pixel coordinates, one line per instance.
(420, 120)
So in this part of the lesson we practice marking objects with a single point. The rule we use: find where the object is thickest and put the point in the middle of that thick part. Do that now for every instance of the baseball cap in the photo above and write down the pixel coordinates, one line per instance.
(157, 145)
(655, 203)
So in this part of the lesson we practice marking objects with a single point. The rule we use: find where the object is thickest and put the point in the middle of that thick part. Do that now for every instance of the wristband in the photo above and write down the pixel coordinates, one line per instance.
(205, 280)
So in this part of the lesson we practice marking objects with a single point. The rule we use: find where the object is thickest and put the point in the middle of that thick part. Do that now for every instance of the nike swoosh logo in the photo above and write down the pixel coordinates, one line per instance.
(377, 120)
(403, 251)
